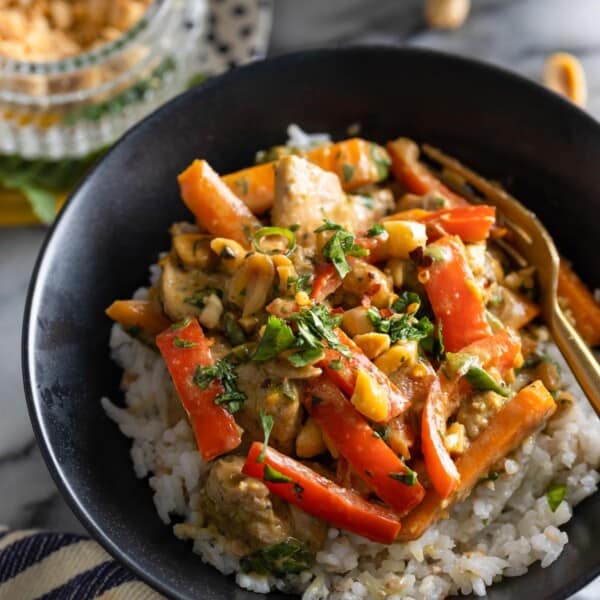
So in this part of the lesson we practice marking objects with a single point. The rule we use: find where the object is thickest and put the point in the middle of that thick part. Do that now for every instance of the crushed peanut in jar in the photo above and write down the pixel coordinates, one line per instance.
(45, 30)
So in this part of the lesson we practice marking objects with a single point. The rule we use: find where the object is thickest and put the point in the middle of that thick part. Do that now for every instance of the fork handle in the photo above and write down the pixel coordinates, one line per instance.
(584, 365)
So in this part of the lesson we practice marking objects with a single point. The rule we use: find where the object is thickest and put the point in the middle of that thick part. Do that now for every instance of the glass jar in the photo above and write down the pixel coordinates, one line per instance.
(72, 107)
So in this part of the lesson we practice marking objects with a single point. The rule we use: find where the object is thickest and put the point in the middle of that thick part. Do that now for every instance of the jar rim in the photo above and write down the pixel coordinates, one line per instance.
(72, 64)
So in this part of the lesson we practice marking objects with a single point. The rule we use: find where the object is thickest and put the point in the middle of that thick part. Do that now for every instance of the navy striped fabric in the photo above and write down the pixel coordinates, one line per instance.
(38, 565)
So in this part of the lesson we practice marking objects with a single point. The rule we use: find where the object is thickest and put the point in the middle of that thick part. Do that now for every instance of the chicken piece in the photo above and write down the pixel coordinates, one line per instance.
(370, 205)
(190, 293)
(273, 397)
(243, 509)
(305, 195)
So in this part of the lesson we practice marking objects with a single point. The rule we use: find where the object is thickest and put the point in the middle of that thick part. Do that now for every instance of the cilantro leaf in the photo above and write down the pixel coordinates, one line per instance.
(339, 246)
(267, 425)
(375, 230)
(283, 558)
(222, 371)
(277, 337)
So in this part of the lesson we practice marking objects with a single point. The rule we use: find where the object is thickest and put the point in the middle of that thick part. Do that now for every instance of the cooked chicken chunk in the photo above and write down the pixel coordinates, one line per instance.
(305, 195)
(242, 508)
(269, 395)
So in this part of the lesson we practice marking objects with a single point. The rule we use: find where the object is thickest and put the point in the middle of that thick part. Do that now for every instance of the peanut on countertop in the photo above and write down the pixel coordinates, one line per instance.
(44, 30)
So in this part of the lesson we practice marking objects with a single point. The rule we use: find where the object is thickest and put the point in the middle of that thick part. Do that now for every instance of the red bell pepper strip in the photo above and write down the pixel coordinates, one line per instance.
(185, 348)
(440, 466)
(470, 223)
(326, 282)
(345, 376)
(318, 496)
(454, 296)
(414, 175)
(499, 350)
(372, 459)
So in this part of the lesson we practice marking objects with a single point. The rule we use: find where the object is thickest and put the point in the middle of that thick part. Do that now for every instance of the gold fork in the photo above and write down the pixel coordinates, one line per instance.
(531, 244)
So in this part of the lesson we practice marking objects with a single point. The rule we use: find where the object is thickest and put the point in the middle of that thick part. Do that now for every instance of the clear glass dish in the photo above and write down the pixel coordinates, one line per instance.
(73, 107)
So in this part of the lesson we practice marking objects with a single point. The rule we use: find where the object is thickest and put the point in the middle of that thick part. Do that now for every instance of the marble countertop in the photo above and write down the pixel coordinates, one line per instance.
(517, 34)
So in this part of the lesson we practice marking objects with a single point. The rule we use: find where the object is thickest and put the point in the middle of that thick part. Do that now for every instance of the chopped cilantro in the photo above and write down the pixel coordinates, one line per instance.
(348, 172)
(408, 478)
(180, 343)
(283, 558)
(339, 246)
(382, 161)
(277, 337)
(375, 230)
(274, 476)
(555, 494)
(336, 365)
(222, 371)
(401, 327)
(267, 425)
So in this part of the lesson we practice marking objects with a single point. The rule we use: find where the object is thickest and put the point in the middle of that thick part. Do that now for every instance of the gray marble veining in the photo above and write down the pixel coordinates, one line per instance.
(517, 34)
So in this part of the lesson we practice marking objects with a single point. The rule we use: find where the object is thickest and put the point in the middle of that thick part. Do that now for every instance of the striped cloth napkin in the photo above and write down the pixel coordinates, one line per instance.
(45, 565)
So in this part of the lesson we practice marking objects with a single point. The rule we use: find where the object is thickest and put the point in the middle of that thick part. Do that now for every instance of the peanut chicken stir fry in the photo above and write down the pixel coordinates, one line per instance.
(344, 336)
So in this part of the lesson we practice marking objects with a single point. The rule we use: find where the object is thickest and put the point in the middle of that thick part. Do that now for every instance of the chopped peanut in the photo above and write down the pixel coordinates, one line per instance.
(369, 398)
(404, 237)
(455, 439)
(373, 344)
(402, 353)
(564, 74)
(446, 14)
(310, 442)
(355, 321)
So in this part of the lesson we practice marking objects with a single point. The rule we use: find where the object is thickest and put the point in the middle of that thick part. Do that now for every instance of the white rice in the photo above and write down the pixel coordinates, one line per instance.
(501, 529)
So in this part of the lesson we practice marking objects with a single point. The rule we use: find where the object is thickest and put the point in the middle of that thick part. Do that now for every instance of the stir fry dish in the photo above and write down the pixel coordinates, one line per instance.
(349, 343)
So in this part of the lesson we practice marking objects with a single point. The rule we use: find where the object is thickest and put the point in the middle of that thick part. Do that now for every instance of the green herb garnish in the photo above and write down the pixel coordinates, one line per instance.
(181, 324)
(276, 338)
(401, 327)
(233, 332)
(555, 494)
(284, 558)
(348, 172)
(339, 246)
(409, 478)
(375, 230)
(274, 476)
(482, 380)
(200, 296)
(222, 371)
(336, 364)
(180, 343)
(267, 425)
(382, 161)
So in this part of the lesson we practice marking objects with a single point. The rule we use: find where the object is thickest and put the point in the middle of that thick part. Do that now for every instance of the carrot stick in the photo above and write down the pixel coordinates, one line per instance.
(584, 308)
(357, 162)
(215, 207)
(415, 176)
(143, 314)
(529, 408)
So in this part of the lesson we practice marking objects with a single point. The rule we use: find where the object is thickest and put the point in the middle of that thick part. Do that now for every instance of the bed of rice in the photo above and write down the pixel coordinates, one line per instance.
(501, 529)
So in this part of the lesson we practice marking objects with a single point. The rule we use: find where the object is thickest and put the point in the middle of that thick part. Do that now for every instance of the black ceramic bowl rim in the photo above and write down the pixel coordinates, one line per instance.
(77, 505)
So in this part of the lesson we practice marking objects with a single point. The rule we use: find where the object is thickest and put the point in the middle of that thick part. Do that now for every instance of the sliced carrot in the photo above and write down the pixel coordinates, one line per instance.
(185, 349)
(581, 302)
(318, 496)
(372, 459)
(414, 175)
(507, 429)
(216, 208)
(357, 162)
(254, 185)
(143, 314)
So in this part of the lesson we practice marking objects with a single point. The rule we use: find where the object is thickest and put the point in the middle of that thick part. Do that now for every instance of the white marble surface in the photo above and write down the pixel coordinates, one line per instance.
(517, 34)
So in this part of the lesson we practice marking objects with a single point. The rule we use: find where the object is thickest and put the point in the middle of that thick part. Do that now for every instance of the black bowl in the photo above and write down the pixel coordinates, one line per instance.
(546, 151)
